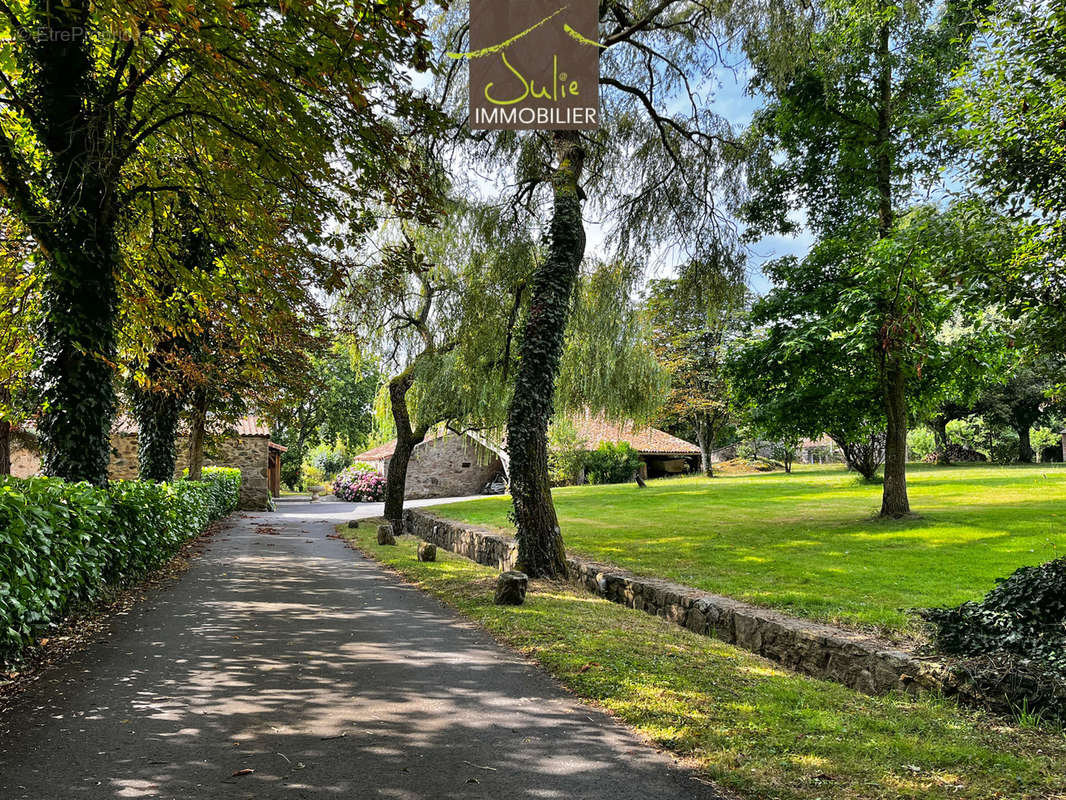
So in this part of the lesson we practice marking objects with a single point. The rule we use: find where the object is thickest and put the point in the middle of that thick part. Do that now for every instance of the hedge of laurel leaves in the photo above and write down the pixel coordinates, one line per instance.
(62, 544)
(1013, 641)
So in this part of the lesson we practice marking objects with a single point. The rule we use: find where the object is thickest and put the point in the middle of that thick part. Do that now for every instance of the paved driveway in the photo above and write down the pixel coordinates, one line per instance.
(283, 652)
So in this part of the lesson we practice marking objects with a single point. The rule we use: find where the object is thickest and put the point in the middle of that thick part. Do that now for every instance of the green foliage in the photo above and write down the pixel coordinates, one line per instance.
(567, 452)
(695, 325)
(62, 544)
(1015, 637)
(612, 462)
(1011, 106)
(312, 476)
(329, 460)
(921, 443)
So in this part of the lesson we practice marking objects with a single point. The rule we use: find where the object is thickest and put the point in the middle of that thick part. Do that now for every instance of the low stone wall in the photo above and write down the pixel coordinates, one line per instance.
(477, 544)
(860, 662)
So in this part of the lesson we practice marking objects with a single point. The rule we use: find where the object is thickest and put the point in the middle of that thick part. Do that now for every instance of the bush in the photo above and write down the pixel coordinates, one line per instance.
(63, 543)
(1014, 638)
(359, 484)
(612, 462)
(329, 460)
(567, 452)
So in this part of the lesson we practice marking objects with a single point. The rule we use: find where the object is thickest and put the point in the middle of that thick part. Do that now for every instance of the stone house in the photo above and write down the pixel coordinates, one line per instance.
(246, 446)
(662, 453)
(456, 465)
(444, 465)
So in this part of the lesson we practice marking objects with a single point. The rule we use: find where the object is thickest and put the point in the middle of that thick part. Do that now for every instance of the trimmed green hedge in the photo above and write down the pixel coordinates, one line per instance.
(62, 543)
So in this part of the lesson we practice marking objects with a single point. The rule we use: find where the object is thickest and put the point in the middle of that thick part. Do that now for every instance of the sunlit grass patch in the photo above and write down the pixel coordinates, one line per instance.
(809, 543)
(745, 722)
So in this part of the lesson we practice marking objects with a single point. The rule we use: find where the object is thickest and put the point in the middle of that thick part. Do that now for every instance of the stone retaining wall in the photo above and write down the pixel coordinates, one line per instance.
(860, 662)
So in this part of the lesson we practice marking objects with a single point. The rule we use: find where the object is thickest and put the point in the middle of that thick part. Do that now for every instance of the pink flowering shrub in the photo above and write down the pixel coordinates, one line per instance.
(359, 485)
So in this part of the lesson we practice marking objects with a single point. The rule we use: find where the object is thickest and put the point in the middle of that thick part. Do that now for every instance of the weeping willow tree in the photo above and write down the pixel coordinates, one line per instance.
(660, 172)
(451, 302)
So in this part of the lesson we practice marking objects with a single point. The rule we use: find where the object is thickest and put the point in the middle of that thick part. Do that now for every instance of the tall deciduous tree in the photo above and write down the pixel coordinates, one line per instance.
(660, 169)
(18, 300)
(855, 120)
(306, 94)
(694, 329)
(1011, 112)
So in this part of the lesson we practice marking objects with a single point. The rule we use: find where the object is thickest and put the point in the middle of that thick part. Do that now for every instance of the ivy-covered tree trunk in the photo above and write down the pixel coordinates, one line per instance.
(406, 439)
(197, 433)
(80, 251)
(5, 447)
(158, 412)
(540, 542)
(939, 424)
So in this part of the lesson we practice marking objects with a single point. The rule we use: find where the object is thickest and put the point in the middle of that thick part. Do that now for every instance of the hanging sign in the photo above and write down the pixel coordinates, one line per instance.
(534, 64)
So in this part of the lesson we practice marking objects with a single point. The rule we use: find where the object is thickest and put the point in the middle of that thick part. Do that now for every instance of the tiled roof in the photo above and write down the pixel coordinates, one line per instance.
(594, 430)
(378, 453)
(649, 441)
(246, 426)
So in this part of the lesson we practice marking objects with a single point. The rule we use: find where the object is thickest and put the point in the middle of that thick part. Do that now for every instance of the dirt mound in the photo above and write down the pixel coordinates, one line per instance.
(738, 466)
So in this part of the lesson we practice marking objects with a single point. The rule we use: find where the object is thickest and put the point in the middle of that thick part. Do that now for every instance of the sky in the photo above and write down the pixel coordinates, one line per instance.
(732, 102)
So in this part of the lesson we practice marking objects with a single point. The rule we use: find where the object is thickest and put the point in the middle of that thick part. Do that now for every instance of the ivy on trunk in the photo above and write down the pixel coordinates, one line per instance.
(540, 542)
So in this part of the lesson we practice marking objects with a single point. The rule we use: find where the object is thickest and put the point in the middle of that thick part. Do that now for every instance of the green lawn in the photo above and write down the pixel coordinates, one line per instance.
(809, 543)
(746, 723)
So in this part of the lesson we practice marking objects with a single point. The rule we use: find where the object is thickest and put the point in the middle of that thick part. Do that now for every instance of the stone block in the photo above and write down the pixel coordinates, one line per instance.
(427, 551)
(511, 588)
(353, 523)
(385, 535)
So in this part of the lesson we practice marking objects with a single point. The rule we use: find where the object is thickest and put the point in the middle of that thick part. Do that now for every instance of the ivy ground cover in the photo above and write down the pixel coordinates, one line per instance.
(809, 543)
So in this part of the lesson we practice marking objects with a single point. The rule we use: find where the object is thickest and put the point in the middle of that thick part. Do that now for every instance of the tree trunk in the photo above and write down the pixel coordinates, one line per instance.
(197, 431)
(540, 542)
(406, 439)
(939, 424)
(1025, 445)
(5, 447)
(78, 291)
(703, 438)
(894, 500)
(158, 411)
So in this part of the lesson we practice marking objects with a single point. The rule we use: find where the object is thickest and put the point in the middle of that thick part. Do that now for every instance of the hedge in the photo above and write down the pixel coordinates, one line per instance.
(62, 543)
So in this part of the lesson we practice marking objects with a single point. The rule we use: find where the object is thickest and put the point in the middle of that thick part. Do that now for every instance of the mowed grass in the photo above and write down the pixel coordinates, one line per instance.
(810, 544)
(742, 721)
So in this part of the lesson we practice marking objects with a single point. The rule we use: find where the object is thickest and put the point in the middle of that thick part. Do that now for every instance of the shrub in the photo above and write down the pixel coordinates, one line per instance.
(1014, 639)
(612, 462)
(312, 476)
(328, 459)
(62, 544)
(567, 452)
(359, 485)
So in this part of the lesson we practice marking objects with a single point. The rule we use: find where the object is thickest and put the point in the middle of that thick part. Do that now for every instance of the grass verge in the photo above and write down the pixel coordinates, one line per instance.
(808, 543)
(746, 723)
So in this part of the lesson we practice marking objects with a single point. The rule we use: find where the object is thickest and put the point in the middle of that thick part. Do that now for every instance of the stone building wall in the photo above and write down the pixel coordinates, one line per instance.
(451, 466)
(24, 463)
(250, 454)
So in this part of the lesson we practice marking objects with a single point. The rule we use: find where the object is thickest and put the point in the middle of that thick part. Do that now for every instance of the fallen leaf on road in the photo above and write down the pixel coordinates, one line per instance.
(245, 771)
(589, 666)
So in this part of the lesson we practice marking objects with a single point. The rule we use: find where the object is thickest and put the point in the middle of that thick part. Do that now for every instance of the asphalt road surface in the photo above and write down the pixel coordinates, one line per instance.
(282, 664)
